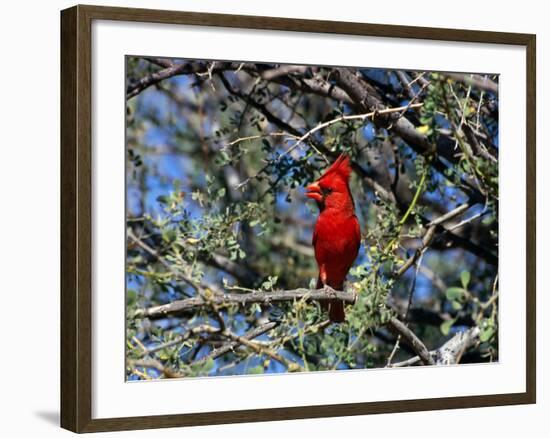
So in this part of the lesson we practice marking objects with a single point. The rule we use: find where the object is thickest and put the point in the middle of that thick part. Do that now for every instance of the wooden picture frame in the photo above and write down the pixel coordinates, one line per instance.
(76, 217)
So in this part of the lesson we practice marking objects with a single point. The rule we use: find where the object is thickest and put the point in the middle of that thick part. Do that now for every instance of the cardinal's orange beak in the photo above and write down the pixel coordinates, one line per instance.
(313, 191)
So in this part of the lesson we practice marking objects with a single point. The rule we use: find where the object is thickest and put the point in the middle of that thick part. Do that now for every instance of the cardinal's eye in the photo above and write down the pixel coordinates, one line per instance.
(327, 190)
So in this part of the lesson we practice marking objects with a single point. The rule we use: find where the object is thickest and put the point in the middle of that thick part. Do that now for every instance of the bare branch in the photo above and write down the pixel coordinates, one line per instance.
(429, 235)
(412, 340)
(360, 117)
(256, 296)
(476, 81)
(366, 99)
(230, 346)
(203, 328)
(157, 365)
(155, 77)
(283, 70)
(262, 349)
(450, 352)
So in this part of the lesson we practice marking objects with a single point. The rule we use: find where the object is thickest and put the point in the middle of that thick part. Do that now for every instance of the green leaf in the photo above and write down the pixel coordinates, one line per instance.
(486, 334)
(456, 305)
(445, 326)
(162, 199)
(423, 129)
(131, 297)
(163, 354)
(169, 235)
(256, 370)
(208, 365)
(487, 330)
(465, 279)
(454, 293)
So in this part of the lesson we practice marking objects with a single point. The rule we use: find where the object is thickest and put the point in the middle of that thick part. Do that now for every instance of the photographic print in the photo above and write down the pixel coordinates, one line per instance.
(303, 218)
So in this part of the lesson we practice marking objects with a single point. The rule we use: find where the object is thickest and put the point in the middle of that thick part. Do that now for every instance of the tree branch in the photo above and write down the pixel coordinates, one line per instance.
(154, 78)
(170, 70)
(476, 81)
(450, 352)
(155, 364)
(180, 306)
(283, 70)
(365, 99)
(381, 191)
(430, 234)
(410, 338)
(230, 346)
(255, 296)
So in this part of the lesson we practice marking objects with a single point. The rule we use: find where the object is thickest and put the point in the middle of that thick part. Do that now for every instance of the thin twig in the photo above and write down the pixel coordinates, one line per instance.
(301, 139)
(157, 365)
(407, 310)
(262, 349)
(230, 346)
(203, 328)
(361, 117)
(429, 235)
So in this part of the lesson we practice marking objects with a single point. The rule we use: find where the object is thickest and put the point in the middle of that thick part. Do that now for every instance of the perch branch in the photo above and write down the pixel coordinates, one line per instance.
(255, 296)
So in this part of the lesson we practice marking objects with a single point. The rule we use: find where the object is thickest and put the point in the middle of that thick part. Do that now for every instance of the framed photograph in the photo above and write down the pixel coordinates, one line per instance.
(268, 218)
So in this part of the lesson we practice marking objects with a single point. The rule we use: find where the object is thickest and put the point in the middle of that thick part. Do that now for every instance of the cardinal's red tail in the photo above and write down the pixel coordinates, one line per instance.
(336, 311)
(335, 307)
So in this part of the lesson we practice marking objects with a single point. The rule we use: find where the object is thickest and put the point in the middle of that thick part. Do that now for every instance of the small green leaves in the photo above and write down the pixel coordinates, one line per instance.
(259, 369)
(131, 297)
(455, 293)
(488, 330)
(465, 279)
(446, 326)
(134, 158)
(237, 219)
(456, 305)
(163, 199)
(169, 235)
(202, 368)
(270, 282)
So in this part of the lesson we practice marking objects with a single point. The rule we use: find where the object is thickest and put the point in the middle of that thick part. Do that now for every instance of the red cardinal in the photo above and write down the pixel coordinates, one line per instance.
(337, 236)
